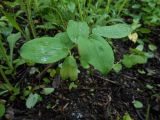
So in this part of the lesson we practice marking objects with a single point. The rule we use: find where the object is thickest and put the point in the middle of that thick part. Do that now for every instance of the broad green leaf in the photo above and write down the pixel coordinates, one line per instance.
(77, 29)
(130, 60)
(32, 100)
(46, 49)
(12, 41)
(2, 109)
(64, 39)
(69, 69)
(48, 91)
(113, 31)
(137, 104)
(97, 52)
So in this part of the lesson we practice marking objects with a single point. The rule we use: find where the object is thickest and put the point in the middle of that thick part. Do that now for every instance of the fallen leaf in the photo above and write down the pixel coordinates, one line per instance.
(133, 37)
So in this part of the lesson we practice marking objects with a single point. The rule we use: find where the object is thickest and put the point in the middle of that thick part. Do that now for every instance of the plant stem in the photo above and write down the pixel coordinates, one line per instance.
(148, 110)
(60, 16)
(3, 51)
(89, 2)
(122, 6)
(39, 76)
(5, 78)
(29, 16)
(80, 10)
(108, 6)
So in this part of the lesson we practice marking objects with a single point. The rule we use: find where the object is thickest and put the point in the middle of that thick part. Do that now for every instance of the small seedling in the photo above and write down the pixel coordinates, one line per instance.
(137, 104)
(93, 49)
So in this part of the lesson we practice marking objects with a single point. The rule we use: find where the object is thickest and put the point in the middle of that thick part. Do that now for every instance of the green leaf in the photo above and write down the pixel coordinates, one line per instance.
(52, 72)
(18, 62)
(71, 6)
(152, 47)
(46, 49)
(77, 29)
(130, 60)
(12, 21)
(69, 69)
(117, 67)
(97, 52)
(149, 86)
(48, 91)
(32, 100)
(137, 104)
(2, 109)
(113, 31)
(46, 80)
(12, 39)
(72, 85)
(5, 29)
(127, 117)
(144, 30)
(64, 39)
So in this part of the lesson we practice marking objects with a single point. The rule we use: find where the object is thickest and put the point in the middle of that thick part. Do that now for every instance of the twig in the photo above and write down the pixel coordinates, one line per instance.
(110, 81)
(39, 76)
(148, 110)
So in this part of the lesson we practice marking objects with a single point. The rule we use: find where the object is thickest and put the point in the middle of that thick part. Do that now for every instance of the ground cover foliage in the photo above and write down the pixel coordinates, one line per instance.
(80, 59)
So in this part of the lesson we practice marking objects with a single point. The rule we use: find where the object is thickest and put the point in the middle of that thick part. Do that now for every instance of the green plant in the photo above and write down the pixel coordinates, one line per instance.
(9, 66)
(32, 100)
(92, 48)
(127, 117)
(137, 104)
(10, 61)
(2, 109)
(32, 97)
(137, 56)
(146, 10)
(27, 7)
(8, 22)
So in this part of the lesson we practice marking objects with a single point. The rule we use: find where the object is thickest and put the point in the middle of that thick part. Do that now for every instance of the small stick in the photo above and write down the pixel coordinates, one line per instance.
(110, 81)
(39, 76)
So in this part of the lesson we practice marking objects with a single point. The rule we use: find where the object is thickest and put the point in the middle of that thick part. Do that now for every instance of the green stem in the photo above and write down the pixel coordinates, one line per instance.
(89, 2)
(60, 16)
(80, 10)
(108, 6)
(5, 78)
(3, 51)
(29, 17)
(122, 6)
(148, 110)
(13, 24)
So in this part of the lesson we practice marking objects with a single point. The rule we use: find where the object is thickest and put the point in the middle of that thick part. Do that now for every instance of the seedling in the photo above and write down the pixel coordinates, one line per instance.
(93, 49)
(137, 104)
